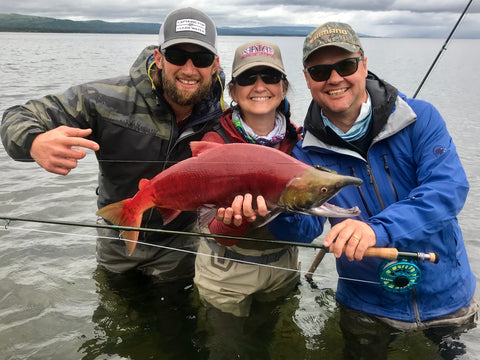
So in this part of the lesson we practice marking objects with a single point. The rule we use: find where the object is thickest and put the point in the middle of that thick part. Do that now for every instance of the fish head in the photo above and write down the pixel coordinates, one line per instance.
(307, 193)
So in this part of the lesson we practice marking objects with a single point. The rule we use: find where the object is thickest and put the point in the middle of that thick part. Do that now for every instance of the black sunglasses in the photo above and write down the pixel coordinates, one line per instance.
(249, 77)
(343, 68)
(200, 59)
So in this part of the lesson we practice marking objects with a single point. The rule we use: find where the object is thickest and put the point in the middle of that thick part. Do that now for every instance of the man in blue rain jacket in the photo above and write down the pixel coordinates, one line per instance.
(414, 188)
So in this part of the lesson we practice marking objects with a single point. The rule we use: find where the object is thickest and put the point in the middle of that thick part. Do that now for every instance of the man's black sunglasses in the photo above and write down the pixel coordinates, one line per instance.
(343, 68)
(200, 59)
(249, 77)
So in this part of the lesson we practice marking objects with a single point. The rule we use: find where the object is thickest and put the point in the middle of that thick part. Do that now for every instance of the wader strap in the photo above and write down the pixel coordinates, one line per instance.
(220, 131)
(262, 259)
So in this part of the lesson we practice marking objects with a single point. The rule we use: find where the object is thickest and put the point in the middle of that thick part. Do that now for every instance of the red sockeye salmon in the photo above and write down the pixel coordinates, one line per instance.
(218, 172)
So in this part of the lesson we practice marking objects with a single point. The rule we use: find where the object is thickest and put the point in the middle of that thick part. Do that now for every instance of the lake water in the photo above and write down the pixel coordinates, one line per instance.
(53, 302)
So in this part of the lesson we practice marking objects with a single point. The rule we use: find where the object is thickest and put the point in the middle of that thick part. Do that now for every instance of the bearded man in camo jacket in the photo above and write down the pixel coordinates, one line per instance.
(137, 125)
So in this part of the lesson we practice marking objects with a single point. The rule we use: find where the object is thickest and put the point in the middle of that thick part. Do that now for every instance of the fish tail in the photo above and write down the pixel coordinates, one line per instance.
(121, 214)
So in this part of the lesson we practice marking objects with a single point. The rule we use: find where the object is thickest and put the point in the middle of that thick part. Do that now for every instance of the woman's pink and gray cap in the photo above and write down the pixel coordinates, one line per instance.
(331, 34)
(190, 26)
(257, 53)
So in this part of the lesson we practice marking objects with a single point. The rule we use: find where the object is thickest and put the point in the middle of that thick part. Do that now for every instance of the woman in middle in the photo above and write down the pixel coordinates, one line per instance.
(229, 279)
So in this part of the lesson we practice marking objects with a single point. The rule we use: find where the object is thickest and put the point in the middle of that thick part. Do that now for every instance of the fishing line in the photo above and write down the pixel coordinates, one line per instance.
(164, 231)
(385, 253)
(443, 48)
(120, 161)
(8, 228)
(86, 160)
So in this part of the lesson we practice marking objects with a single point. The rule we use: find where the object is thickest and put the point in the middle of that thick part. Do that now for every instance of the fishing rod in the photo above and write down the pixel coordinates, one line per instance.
(192, 252)
(443, 48)
(163, 231)
(398, 275)
(384, 253)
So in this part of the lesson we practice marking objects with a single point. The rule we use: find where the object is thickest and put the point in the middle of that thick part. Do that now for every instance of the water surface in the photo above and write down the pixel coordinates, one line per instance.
(55, 304)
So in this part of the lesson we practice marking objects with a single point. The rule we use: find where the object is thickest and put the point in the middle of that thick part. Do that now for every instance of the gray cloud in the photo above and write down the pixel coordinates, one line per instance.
(394, 18)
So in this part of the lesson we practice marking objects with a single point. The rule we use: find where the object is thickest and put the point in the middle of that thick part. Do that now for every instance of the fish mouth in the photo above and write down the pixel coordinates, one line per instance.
(329, 210)
(351, 180)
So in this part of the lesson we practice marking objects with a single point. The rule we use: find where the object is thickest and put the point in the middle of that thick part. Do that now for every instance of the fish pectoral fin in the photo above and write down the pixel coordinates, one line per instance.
(168, 214)
(205, 214)
(262, 221)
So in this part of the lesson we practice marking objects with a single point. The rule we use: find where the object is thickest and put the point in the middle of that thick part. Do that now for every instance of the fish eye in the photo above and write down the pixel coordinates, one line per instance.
(324, 189)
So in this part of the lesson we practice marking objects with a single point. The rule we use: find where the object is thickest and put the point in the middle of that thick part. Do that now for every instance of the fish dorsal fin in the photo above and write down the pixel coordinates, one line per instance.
(199, 147)
(143, 183)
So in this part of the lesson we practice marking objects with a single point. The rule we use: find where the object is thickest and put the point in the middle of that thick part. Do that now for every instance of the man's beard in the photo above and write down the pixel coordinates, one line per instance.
(182, 97)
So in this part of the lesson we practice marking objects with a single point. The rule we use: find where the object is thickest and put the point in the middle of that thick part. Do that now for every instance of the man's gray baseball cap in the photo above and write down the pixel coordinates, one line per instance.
(331, 34)
(188, 25)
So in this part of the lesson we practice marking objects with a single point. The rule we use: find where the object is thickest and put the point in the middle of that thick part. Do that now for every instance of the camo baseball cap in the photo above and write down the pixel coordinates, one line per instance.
(257, 53)
(188, 25)
(331, 34)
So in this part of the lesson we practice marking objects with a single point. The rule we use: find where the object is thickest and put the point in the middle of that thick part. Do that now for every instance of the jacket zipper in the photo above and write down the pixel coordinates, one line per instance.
(389, 176)
(359, 189)
(170, 141)
(148, 217)
(418, 319)
(375, 185)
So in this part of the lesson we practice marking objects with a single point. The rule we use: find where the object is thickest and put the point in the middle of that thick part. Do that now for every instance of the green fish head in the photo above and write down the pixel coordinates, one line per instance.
(308, 192)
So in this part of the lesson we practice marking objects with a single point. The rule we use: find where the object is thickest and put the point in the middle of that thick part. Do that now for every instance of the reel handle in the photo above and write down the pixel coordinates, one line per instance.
(384, 253)
(394, 254)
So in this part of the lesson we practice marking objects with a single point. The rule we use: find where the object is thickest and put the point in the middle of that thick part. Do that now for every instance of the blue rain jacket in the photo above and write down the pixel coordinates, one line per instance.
(414, 187)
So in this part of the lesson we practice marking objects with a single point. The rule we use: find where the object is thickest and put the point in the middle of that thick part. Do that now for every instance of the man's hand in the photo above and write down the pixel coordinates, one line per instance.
(242, 208)
(56, 152)
(352, 237)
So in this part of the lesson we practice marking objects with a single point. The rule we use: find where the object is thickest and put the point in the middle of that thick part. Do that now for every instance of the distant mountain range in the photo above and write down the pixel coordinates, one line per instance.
(26, 23)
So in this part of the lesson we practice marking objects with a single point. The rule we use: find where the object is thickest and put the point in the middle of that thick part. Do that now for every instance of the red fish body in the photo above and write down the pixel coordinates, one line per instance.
(216, 177)
(217, 173)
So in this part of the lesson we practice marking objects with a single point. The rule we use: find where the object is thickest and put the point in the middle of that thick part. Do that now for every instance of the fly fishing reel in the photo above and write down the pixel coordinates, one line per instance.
(399, 276)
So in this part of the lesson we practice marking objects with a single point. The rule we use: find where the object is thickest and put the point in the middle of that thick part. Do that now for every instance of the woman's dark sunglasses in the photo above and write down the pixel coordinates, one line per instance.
(200, 59)
(249, 77)
(343, 68)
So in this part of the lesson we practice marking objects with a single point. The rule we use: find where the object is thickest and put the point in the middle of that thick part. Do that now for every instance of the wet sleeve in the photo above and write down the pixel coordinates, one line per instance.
(219, 228)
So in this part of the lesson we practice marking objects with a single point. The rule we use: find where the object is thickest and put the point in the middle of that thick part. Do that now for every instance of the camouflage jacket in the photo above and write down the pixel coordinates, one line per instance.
(133, 124)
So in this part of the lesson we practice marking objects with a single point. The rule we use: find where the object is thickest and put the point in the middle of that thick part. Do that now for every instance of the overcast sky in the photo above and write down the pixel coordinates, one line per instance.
(392, 18)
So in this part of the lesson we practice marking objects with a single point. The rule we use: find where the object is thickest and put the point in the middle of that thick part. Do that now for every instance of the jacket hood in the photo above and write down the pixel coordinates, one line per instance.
(138, 72)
